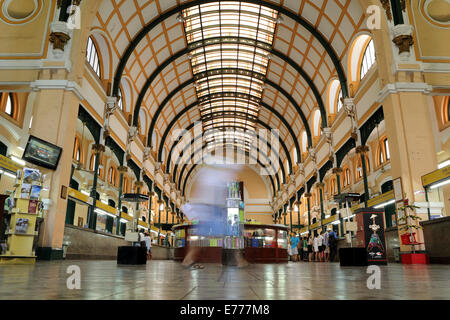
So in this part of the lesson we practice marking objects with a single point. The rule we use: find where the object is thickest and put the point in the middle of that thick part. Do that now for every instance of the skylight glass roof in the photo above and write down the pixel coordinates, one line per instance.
(229, 44)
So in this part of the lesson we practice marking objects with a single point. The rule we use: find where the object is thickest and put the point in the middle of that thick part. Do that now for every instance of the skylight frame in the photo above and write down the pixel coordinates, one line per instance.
(230, 44)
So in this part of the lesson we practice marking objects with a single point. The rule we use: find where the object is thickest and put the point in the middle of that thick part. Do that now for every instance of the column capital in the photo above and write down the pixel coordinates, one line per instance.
(122, 169)
(139, 184)
(98, 148)
(337, 170)
(111, 105)
(292, 179)
(363, 150)
(158, 168)
(59, 37)
(301, 167)
(320, 185)
(328, 134)
(132, 133)
(308, 195)
(403, 39)
(349, 104)
(147, 154)
(166, 178)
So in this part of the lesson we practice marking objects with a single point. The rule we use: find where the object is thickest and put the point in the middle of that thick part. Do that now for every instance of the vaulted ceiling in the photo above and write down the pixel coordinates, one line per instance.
(152, 56)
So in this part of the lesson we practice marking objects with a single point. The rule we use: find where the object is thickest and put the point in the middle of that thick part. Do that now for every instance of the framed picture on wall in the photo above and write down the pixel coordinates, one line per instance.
(398, 189)
(400, 213)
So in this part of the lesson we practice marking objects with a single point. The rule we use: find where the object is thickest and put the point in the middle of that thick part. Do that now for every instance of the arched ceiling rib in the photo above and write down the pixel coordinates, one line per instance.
(305, 84)
(247, 154)
(195, 140)
(267, 107)
(315, 36)
(190, 82)
(331, 25)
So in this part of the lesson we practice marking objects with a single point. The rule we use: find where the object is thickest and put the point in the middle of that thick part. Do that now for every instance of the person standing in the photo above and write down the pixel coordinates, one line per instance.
(148, 243)
(321, 247)
(305, 249)
(310, 248)
(326, 253)
(294, 246)
(332, 242)
(300, 248)
(317, 243)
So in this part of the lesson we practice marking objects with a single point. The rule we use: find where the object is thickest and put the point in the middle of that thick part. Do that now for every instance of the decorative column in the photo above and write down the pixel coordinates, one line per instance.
(122, 171)
(320, 185)
(362, 151)
(97, 149)
(338, 171)
(308, 202)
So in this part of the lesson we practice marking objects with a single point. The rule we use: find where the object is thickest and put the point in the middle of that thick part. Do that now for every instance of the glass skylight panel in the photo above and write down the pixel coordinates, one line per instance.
(229, 44)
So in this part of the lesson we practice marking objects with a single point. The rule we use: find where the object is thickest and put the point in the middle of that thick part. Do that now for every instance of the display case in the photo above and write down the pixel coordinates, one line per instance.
(208, 249)
(266, 243)
(262, 244)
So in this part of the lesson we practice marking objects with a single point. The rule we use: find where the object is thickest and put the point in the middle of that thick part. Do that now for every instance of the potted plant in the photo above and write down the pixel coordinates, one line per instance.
(411, 221)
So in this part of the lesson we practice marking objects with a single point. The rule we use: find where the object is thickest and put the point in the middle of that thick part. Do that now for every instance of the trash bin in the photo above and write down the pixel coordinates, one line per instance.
(396, 254)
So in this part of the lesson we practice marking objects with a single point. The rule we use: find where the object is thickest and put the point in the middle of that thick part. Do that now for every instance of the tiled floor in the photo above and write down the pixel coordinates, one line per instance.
(169, 280)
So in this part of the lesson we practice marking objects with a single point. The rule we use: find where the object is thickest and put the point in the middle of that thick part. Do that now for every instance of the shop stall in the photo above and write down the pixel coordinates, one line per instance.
(262, 244)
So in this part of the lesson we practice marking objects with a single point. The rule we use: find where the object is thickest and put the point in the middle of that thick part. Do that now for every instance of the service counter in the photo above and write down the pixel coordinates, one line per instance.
(263, 244)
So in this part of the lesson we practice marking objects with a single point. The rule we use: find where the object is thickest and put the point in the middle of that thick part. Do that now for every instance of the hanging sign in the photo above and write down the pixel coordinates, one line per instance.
(9, 165)
(135, 197)
(436, 176)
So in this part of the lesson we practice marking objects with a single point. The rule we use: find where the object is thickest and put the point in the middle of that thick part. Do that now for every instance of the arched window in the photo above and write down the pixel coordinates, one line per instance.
(154, 140)
(288, 170)
(120, 100)
(368, 59)
(340, 104)
(92, 162)
(8, 106)
(294, 155)
(112, 176)
(316, 123)
(448, 110)
(386, 149)
(304, 142)
(384, 154)
(125, 185)
(76, 150)
(163, 154)
(347, 176)
(93, 57)
(332, 186)
(92, 165)
(359, 170)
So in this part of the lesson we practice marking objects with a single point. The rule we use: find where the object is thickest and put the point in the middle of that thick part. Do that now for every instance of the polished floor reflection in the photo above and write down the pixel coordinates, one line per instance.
(169, 280)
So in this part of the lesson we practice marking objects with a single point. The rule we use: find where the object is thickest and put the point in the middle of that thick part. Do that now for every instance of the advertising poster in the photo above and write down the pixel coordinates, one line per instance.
(375, 241)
